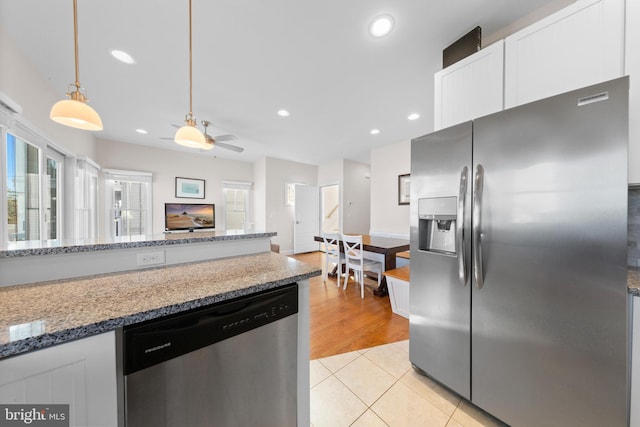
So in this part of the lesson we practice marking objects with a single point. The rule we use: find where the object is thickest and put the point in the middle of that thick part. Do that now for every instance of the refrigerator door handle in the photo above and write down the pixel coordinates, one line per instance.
(462, 265)
(478, 182)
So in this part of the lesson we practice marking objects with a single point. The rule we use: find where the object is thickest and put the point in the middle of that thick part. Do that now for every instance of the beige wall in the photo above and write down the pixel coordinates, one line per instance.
(166, 165)
(387, 217)
(277, 216)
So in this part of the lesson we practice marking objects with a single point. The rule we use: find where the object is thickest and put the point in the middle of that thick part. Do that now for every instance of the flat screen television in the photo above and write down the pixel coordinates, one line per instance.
(189, 216)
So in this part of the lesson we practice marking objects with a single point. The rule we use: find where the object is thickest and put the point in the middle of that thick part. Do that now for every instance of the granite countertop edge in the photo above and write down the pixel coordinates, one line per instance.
(64, 335)
(167, 241)
(633, 281)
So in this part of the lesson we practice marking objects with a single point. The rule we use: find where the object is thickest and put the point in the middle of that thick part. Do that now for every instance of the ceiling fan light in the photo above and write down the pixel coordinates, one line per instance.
(76, 114)
(208, 144)
(190, 136)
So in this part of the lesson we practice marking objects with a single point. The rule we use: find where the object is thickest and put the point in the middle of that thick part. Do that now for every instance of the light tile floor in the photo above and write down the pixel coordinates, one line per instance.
(378, 387)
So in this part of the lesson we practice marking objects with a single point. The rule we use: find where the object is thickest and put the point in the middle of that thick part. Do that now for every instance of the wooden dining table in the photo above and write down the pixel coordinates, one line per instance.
(386, 247)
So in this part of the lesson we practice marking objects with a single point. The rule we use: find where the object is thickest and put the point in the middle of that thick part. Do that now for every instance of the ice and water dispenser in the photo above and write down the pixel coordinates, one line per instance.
(437, 224)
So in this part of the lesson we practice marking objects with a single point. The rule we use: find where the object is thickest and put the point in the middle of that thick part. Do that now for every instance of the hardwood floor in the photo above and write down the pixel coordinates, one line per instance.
(341, 321)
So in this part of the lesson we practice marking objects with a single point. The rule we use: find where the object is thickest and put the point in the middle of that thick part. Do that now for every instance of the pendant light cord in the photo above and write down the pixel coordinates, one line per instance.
(75, 40)
(190, 68)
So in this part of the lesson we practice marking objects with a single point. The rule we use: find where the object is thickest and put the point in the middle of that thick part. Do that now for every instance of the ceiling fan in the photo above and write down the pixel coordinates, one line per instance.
(216, 141)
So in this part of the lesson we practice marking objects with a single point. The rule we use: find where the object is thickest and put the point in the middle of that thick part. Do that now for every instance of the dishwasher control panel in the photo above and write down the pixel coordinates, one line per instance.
(163, 339)
(274, 312)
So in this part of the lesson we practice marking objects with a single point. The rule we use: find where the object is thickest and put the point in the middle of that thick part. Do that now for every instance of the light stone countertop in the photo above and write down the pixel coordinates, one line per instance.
(54, 247)
(633, 281)
(44, 314)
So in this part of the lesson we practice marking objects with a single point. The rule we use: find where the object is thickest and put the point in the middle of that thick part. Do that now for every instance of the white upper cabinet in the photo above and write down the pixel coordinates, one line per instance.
(580, 45)
(470, 88)
(632, 68)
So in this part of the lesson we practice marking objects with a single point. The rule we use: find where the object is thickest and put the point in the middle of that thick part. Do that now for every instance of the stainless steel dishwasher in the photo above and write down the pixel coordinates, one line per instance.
(230, 364)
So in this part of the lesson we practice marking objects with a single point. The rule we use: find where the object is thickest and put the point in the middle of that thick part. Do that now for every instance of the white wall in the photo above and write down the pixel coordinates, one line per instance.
(331, 173)
(166, 165)
(278, 217)
(356, 198)
(20, 80)
(387, 217)
(259, 194)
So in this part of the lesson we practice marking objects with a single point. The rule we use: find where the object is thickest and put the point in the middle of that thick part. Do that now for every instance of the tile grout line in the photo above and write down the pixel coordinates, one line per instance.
(396, 381)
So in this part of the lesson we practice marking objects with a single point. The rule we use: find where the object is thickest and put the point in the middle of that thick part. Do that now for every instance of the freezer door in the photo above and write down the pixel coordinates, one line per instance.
(549, 324)
(440, 254)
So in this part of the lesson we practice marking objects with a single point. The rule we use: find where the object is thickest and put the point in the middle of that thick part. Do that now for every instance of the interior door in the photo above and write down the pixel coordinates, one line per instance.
(306, 218)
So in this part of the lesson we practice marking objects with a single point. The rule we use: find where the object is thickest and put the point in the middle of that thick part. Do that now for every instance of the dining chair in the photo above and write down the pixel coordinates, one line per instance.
(355, 261)
(332, 255)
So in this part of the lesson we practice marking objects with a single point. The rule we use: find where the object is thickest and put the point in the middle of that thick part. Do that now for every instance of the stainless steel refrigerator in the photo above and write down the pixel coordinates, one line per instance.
(518, 259)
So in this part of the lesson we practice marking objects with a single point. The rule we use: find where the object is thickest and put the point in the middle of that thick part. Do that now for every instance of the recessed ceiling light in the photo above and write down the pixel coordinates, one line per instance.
(381, 25)
(375, 131)
(122, 56)
(413, 116)
(283, 113)
(142, 131)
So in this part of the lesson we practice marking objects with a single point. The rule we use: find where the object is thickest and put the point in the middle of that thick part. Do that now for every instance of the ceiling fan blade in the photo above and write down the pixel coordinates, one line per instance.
(225, 137)
(167, 137)
(229, 147)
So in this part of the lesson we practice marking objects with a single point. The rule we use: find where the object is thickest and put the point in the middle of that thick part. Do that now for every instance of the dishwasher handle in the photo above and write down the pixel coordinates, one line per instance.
(164, 339)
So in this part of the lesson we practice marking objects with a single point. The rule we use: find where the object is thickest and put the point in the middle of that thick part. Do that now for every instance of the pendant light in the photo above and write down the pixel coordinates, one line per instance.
(75, 112)
(189, 135)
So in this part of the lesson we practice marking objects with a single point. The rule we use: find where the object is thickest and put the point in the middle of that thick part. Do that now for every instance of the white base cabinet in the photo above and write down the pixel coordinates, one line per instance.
(80, 373)
(578, 46)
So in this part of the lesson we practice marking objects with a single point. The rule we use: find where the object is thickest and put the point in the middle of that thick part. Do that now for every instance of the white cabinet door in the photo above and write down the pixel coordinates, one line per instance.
(635, 366)
(470, 88)
(80, 373)
(580, 45)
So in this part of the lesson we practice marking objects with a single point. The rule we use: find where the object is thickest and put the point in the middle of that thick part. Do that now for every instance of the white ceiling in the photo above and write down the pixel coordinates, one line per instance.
(252, 58)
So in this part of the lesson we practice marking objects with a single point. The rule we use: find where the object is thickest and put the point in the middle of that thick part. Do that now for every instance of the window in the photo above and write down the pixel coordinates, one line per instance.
(32, 182)
(33, 185)
(128, 204)
(53, 191)
(86, 193)
(236, 197)
(290, 194)
(23, 190)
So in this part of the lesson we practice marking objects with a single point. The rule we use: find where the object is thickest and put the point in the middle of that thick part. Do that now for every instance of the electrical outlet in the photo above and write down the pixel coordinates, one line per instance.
(150, 258)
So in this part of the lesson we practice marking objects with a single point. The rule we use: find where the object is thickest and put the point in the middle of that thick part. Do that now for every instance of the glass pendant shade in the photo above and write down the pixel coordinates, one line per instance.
(190, 136)
(76, 114)
(208, 144)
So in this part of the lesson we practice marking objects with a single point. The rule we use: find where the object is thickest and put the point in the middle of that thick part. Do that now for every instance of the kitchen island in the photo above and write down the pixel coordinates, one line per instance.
(66, 333)
(38, 261)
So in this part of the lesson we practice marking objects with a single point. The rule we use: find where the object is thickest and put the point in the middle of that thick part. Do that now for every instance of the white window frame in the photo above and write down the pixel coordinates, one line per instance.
(84, 169)
(16, 125)
(239, 185)
(109, 176)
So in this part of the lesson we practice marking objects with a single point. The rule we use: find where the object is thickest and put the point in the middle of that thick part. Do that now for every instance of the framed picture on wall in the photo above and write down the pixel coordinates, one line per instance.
(404, 193)
(189, 188)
